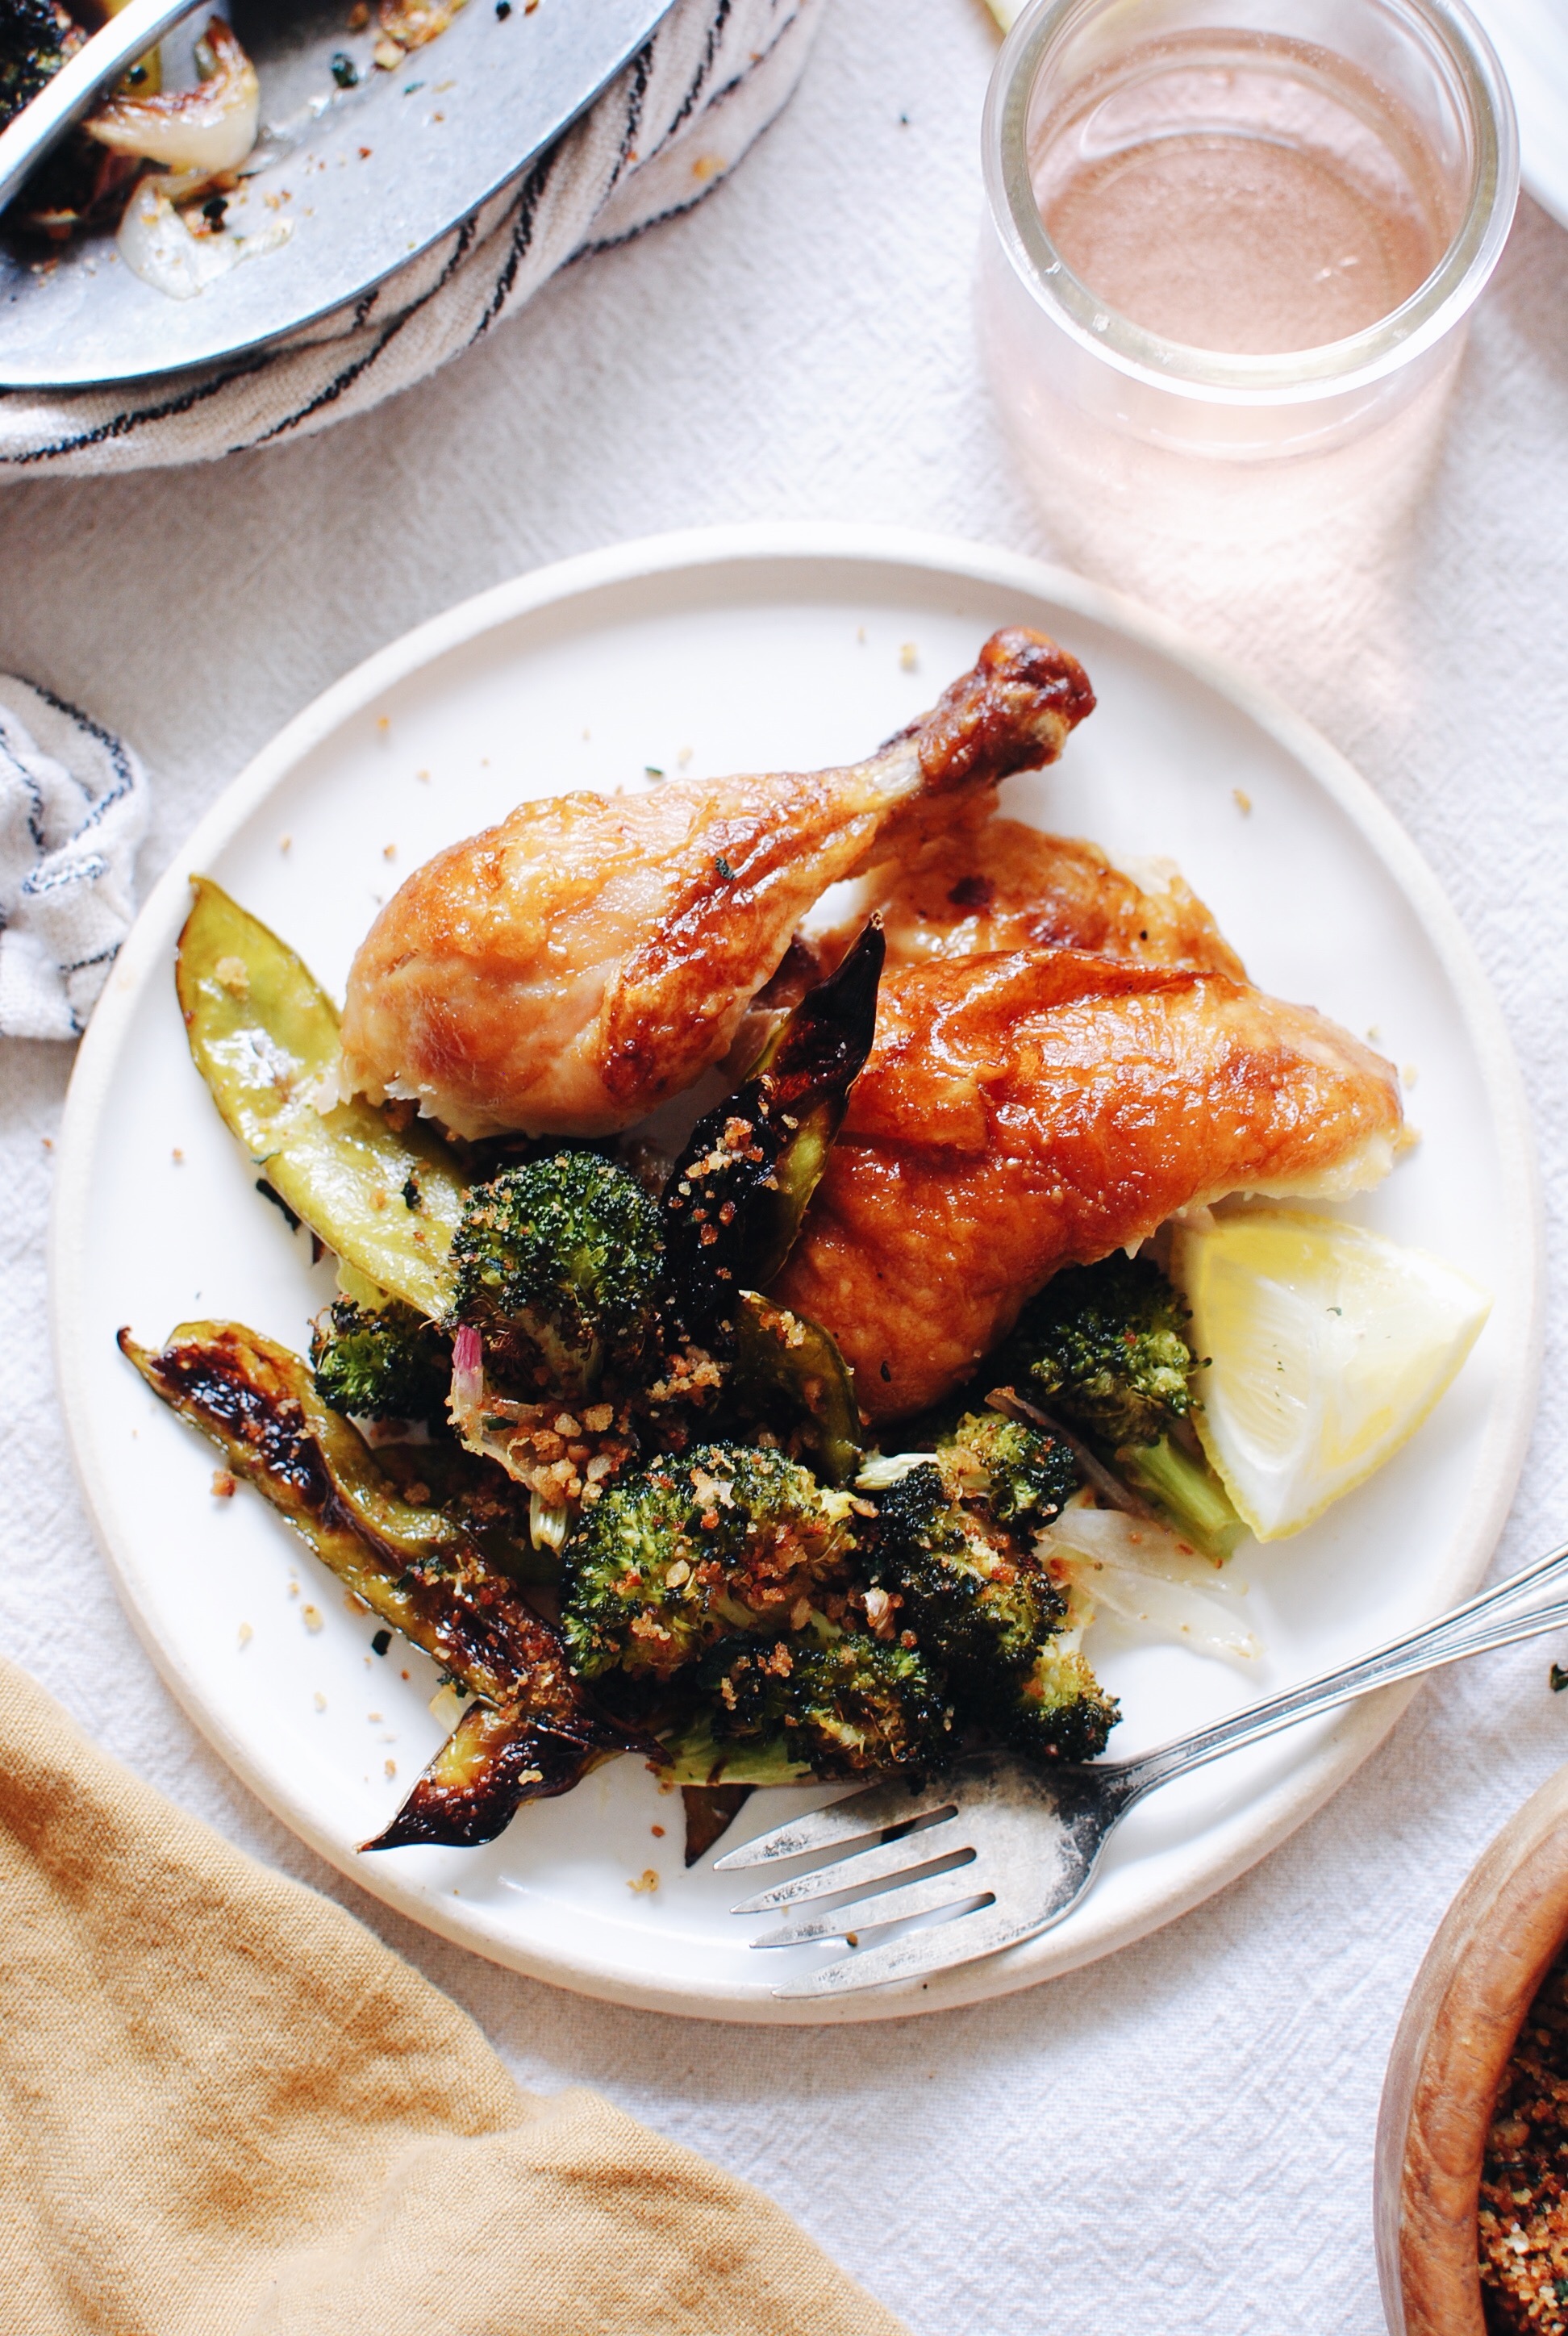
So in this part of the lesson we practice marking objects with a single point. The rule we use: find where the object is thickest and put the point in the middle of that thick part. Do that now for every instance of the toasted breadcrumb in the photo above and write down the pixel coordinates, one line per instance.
(1524, 2205)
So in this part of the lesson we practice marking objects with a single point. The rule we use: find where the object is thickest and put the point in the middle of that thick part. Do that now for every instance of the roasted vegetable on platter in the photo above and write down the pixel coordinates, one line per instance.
(385, 1197)
(533, 1731)
(1104, 1349)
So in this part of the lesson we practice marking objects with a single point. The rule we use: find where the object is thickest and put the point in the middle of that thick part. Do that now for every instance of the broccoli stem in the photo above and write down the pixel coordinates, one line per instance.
(1190, 1494)
(697, 1759)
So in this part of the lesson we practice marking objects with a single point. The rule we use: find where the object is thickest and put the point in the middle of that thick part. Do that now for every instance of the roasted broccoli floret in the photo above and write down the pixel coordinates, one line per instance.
(987, 1612)
(558, 1266)
(1024, 1476)
(839, 1705)
(1058, 1711)
(386, 1364)
(977, 1603)
(1104, 1347)
(685, 1551)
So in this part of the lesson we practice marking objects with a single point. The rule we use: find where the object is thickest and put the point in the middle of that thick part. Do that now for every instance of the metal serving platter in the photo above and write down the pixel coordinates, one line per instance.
(366, 176)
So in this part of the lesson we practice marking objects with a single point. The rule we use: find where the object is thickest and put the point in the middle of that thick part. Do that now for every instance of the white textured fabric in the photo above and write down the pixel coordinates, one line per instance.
(1176, 2141)
(667, 129)
(74, 804)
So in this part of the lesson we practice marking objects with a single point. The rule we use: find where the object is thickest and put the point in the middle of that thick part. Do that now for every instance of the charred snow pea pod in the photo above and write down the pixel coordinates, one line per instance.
(263, 1034)
(412, 1566)
(493, 1761)
(785, 1363)
(736, 1195)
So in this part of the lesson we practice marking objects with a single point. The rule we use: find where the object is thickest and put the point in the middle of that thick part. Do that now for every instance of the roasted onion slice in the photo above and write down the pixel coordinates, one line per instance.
(200, 131)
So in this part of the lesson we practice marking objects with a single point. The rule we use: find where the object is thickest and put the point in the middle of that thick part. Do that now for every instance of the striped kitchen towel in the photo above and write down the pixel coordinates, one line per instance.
(74, 803)
(667, 129)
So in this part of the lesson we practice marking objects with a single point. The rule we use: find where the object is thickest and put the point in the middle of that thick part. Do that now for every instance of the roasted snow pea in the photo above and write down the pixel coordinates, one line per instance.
(493, 1761)
(786, 1359)
(734, 1199)
(263, 1034)
(412, 1566)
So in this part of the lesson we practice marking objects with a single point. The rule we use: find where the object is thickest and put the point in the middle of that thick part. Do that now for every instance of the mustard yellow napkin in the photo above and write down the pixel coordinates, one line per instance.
(228, 2107)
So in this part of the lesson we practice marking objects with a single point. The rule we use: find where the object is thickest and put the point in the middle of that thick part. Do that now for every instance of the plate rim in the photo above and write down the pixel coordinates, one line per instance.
(1265, 1821)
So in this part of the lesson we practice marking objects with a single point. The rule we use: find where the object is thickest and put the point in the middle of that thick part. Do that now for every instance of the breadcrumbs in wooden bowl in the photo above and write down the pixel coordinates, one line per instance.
(1472, 2158)
(1523, 2211)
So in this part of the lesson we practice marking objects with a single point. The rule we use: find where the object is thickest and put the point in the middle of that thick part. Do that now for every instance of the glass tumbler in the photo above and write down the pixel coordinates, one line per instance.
(1232, 248)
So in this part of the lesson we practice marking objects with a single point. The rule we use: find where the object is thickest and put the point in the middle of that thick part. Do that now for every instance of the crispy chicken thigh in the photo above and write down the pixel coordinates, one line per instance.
(568, 970)
(990, 883)
(1038, 1108)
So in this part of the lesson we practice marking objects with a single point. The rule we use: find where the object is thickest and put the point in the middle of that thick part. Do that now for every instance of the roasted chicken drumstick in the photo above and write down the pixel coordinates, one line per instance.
(1037, 1108)
(568, 970)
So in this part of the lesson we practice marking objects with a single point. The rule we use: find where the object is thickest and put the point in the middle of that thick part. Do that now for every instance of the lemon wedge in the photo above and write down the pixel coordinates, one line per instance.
(1328, 1346)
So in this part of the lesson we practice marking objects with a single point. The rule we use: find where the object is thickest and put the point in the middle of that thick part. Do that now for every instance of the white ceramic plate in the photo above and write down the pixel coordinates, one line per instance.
(756, 648)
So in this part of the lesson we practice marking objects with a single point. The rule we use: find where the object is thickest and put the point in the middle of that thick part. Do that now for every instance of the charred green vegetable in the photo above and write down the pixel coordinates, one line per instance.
(559, 1266)
(710, 1810)
(785, 1366)
(412, 1566)
(1104, 1347)
(838, 1706)
(1024, 1476)
(688, 1550)
(982, 1607)
(699, 1761)
(734, 1201)
(263, 1034)
(383, 1362)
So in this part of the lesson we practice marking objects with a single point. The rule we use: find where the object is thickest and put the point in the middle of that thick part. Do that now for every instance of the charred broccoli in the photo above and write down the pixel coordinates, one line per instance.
(974, 1601)
(1024, 1478)
(984, 1608)
(388, 1363)
(692, 1550)
(1104, 1348)
(1058, 1711)
(838, 1706)
(557, 1265)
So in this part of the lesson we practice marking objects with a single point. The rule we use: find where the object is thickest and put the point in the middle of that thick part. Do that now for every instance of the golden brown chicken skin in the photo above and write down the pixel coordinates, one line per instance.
(1038, 1108)
(566, 971)
(990, 883)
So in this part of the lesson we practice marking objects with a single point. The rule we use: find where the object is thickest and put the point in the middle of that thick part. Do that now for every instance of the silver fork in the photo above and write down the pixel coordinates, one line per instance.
(1004, 1851)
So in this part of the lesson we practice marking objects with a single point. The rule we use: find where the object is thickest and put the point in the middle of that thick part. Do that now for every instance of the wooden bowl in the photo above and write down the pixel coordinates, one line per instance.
(1495, 1946)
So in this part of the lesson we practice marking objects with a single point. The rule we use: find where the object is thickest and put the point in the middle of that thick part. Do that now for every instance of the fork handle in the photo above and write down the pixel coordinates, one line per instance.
(138, 26)
(1523, 1606)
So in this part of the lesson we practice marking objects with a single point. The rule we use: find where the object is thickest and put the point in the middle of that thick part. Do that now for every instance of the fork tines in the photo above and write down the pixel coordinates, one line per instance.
(940, 1844)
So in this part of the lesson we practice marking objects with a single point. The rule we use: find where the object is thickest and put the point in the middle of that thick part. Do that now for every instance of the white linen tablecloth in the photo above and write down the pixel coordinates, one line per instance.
(1175, 2142)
